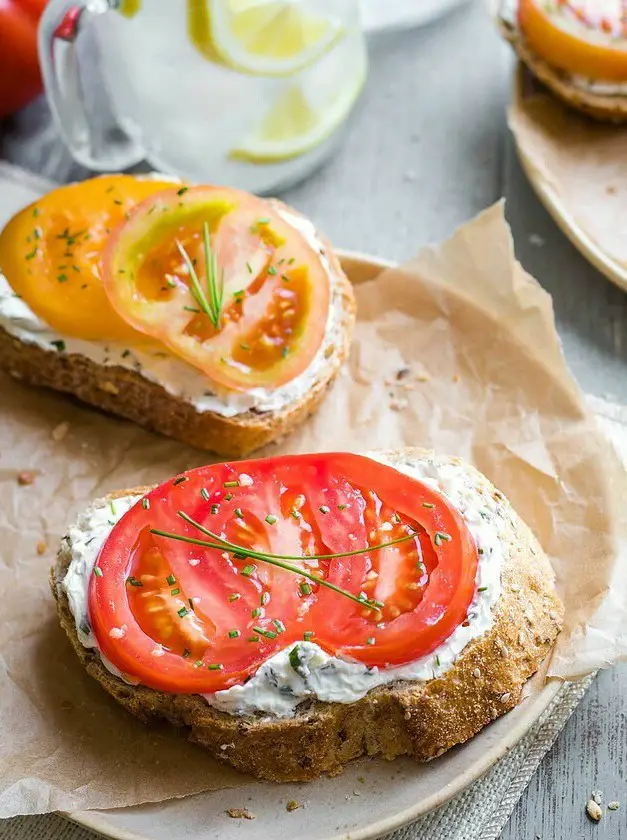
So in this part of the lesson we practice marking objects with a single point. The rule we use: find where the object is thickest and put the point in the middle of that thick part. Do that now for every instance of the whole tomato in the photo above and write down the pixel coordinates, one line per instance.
(20, 79)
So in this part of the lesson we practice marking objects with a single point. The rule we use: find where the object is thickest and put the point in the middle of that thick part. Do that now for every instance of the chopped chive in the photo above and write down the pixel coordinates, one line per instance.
(239, 295)
(308, 634)
(133, 581)
(32, 253)
(62, 278)
(291, 261)
(204, 494)
(191, 604)
(215, 509)
(249, 267)
(280, 627)
(479, 551)
(180, 479)
(171, 580)
(170, 282)
(342, 507)
(112, 507)
(117, 201)
(284, 352)
(248, 570)
(238, 513)
(192, 309)
(231, 483)
(482, 589)
(127, 215)
(441, 537)
(270, 519)
(370, 640)
(186, 653)
(428, 505)
(272, 270)
(234, 634)
(60, 345)
(269, 634)
(198, 663)
(234, 596)
(182, 191)
(256, 612)
(305, 588)
(36, 233)
(228, 497)
(294, 657)
(295, 514)
(35, 212)
(97, 571)
(396, 518)
(285, 278)
(215, 666)
(253, 638)
(183, 612)
(176, 591)
(146, 504)
(324, 509)
(437, 660)
(265, 597)
(245, 346)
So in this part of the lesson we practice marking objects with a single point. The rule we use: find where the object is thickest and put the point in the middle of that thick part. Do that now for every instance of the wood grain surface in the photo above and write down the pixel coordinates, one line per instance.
(427, 149)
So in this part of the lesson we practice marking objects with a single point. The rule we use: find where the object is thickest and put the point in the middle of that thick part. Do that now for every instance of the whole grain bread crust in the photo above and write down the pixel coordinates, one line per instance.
(421, 720)
(126, 393)
(596, 105)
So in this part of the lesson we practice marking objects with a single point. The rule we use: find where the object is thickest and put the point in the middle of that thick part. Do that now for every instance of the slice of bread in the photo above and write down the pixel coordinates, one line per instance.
(599, 106)
(418, 719)
(127, 393)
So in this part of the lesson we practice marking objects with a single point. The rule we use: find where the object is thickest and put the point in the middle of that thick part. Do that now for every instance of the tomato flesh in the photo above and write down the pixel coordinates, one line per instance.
(20, 77)
(576, 36)
(186, 618)
(276, 290)
(50, 254)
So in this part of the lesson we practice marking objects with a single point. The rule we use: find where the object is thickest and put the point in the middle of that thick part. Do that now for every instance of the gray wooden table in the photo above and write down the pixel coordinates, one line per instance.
(428, 149)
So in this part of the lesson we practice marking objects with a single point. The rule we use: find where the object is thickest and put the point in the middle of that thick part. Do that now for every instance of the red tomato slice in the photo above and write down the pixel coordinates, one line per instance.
(276, 290)
(187, 619)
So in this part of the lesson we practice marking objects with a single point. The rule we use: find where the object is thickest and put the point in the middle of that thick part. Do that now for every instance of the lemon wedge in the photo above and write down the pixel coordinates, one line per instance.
(309, 110)
(270, 37)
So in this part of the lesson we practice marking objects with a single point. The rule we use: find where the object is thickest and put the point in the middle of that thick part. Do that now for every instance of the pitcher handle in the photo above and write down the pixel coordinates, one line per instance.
(58, 30)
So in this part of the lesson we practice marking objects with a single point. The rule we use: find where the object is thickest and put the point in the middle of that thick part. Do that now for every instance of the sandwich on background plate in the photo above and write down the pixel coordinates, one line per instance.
(204, 313)
(578, 48)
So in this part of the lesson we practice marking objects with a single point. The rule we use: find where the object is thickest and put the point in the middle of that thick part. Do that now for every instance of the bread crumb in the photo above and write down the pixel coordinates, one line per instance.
(611, 191)
(505, 697)
(42, 547)
(593, 810)
(293, 805)
(240, 814)
(597, 795)
(329, 351)
(402, 373)
(26, 477)
(60, 431)
(109, 388)
(476, 673)
(456, 378)
(613, 806)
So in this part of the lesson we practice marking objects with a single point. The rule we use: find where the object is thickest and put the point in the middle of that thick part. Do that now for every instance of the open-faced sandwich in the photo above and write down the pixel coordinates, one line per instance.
(204, 313)
(578, 48)
(294, 613)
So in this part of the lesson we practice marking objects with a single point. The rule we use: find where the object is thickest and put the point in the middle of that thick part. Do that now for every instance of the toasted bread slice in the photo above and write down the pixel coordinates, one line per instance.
(127, 393)
(599, 106)
(418, 719)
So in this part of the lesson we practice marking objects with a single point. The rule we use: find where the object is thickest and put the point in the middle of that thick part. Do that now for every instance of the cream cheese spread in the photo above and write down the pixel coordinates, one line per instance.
(278, 688)
(174, 375)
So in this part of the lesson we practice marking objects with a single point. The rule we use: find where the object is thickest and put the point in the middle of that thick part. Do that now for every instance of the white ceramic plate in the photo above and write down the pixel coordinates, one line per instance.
(390, 794)
(613, 270)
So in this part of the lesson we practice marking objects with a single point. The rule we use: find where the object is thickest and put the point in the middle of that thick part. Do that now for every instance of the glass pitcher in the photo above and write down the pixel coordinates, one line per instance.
(250, 93)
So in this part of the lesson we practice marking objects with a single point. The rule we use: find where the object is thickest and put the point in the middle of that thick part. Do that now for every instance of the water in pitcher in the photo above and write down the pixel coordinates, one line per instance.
(246, 92)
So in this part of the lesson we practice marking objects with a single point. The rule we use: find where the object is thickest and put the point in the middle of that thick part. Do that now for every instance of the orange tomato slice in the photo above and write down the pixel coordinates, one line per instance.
(275, 288)
(50, 254)
(578, 35)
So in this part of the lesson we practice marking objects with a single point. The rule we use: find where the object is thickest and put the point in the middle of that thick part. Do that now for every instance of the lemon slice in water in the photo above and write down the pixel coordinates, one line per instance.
(309, 110)
(270, 37)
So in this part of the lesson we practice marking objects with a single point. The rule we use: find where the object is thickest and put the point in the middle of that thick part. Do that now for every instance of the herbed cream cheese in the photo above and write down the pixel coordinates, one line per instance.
(174, 375)
(278, 687)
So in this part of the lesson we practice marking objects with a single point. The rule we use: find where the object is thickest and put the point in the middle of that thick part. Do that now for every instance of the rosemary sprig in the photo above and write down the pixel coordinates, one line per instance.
(241, 552)
(211, 302)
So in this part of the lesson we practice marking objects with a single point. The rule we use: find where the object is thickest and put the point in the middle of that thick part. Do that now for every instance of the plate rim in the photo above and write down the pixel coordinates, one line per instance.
(552, 203)
(99, 822)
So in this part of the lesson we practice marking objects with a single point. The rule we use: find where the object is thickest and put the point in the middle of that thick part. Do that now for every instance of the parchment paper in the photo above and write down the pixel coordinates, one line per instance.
(583, 162)
(483, 378)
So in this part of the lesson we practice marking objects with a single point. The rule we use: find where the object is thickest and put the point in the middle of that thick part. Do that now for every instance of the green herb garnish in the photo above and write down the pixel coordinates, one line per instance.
(211, 301)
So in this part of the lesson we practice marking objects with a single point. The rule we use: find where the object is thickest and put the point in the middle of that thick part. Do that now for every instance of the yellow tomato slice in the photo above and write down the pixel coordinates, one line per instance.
(583, 37)
(50, 254)
(274, 287)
